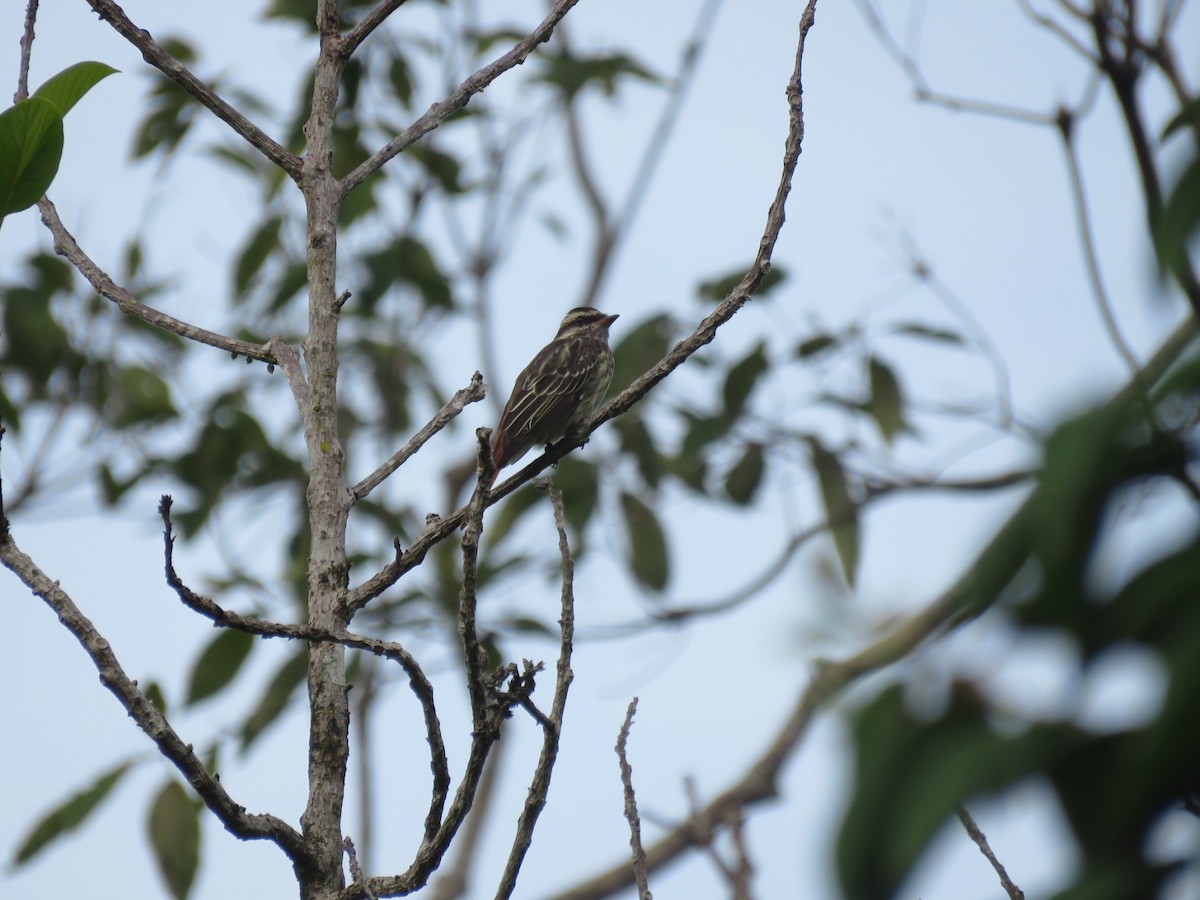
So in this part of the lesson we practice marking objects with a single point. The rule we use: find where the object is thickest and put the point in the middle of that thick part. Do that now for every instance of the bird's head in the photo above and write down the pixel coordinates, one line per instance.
(584, 320)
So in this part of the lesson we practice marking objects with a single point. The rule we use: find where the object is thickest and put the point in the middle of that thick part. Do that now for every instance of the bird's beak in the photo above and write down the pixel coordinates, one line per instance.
(608, 320)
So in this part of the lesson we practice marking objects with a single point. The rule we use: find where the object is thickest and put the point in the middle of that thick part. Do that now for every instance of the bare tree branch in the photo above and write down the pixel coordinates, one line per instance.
(27, 36)
(454, 880)
(430, 853)
(356, 870)
(925, 92)
(738, 874)
(1123, 73)
(442, 110)
(237, 821)
(156, 56)
(440, 528)
(539, 787)
(964, 601)
(610, 229)
(417, 680)
(66, 247)
(474, 392)
(1014, 892)
(638, 852)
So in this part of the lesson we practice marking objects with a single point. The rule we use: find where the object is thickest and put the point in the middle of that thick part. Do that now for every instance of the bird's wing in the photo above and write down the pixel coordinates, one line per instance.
(543, 401)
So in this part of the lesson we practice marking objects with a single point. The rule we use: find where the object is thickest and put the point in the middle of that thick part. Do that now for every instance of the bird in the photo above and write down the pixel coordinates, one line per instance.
(562, 385)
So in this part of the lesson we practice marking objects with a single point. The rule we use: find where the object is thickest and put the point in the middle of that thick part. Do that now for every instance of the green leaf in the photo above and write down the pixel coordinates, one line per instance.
(173, 828)
(415, 265)
(255, 253)
(691, 472)
(69, 815)
(443, 168)
(31, 143)
(138, 396)
(1188, 115)
(67, 88)
(640, 348)
(840, 509)
(291, 281)
(509, 514)
(579, 483)
(929, 333)
(637, 441)
(274, 700)
(1179, 221)
(483, 41)
(911, 775)
(886, 405)
(742, 481)
(113, 488)
(400, 76)
(701, 431)
(816, 345)
(218, 664)
(717, 289)
(527, 625)
(571, 73)
(37, 344)
(154, 693)
(741, 380)
(647, 544)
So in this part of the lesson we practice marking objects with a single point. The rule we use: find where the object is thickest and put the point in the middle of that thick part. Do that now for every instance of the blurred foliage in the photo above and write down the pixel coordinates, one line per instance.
(1175, 230)
(1115, 786)
(173, 829)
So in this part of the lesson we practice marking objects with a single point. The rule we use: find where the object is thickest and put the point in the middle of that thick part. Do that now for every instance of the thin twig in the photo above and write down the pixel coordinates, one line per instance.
(743, 870)
(27, 36)
(1045, 21)
(638, 852)
(440, 111)
(1123, 75)
(611, 230)
(704, 333)
(539, 787)
(454, 880)
(1088, 241)
(417, 680)
(483, 739)
(177, 72)
(474, 656)
(66, 247)
(1014, 892)
(675, 613)
(356, 870)
(739, 873)
(474, 392)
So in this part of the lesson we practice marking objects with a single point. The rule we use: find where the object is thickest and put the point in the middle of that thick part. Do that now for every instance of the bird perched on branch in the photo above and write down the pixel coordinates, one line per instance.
(560, 388)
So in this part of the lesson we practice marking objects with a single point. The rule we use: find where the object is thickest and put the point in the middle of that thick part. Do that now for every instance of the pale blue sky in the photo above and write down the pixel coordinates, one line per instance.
(987, 202)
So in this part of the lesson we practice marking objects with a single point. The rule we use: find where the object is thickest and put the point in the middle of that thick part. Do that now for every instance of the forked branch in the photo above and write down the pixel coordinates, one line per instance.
(441, 528)
(156, 56)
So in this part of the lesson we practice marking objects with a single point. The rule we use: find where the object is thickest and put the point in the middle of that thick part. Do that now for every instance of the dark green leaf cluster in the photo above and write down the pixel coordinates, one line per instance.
(1115, 785)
